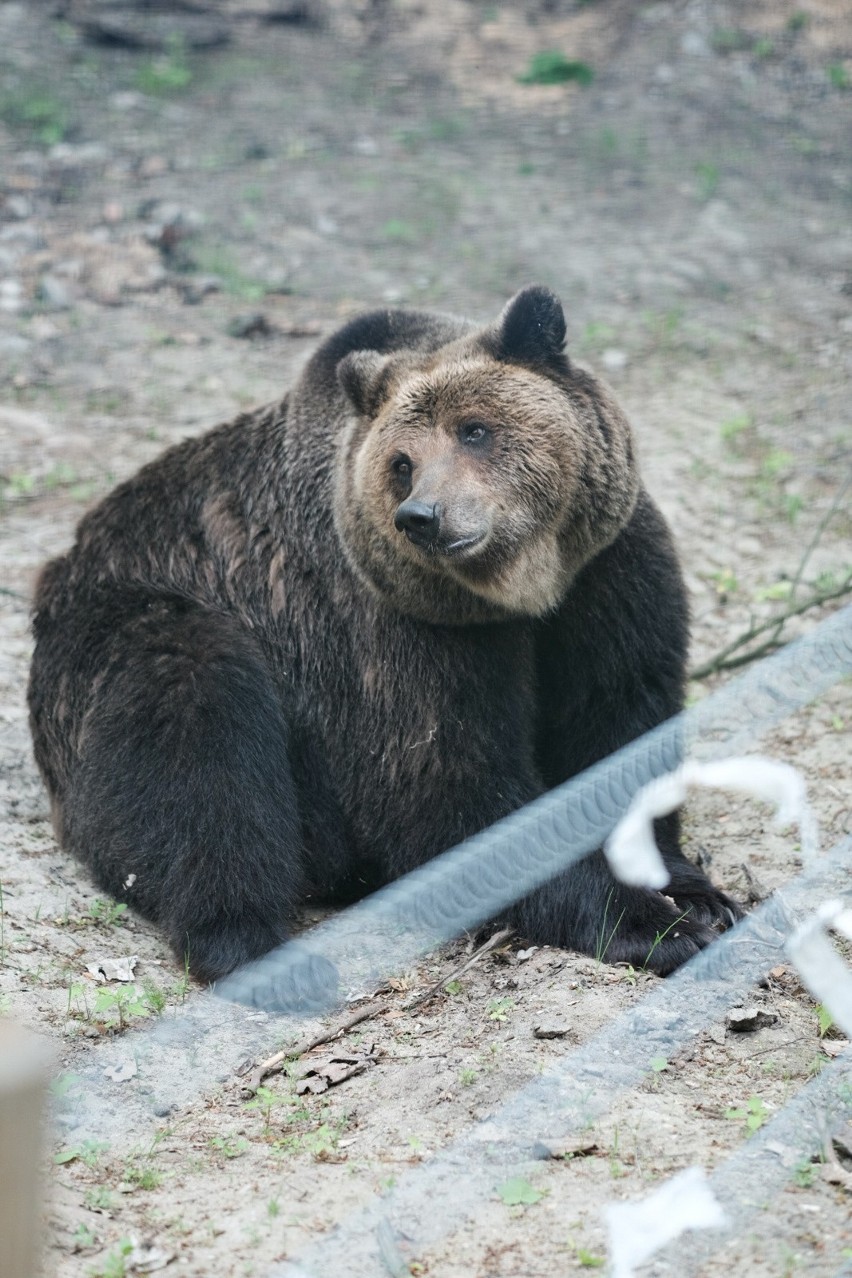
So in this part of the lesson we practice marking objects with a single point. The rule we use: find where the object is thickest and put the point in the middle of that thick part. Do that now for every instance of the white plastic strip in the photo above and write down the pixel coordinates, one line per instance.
(638, 1229)
(823, 971)
(631, 849)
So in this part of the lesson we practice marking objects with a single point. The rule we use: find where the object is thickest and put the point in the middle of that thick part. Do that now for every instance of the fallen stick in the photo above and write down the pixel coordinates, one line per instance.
(275, 1064)
(497, 939)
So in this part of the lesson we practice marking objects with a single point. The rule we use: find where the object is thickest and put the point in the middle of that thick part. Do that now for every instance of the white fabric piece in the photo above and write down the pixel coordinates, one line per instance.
(638, 1229)
(631, 849)
(821, 968)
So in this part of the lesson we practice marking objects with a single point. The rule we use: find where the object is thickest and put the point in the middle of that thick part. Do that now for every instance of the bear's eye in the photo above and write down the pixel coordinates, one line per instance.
(401, 467)
(474, 433)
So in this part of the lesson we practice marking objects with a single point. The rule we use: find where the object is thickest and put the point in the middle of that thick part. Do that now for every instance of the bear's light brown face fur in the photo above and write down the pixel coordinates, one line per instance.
(519, 474)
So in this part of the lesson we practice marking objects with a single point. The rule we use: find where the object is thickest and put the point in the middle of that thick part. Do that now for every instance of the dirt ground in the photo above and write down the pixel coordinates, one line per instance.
(178, 225)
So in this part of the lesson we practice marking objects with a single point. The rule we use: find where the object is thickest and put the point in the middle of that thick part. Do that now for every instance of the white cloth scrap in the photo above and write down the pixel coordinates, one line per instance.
(631, 849)
(821, 968)
(638, 1229)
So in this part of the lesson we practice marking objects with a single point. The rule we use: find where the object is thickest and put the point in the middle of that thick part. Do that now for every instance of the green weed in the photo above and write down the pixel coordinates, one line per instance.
(114, 1007)
(115, 1264)
(36, 111)
(552, 67)
(167, 74)
(754, 1113)
(519, 1192)
(229, 1148)
(88, 1152)
(108, 913)
(499, 1009)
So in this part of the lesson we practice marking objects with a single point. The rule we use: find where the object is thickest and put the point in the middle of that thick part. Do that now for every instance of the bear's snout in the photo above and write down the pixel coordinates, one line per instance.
(419, 520)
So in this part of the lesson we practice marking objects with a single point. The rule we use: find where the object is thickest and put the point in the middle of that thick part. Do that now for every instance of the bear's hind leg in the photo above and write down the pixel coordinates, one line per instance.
(181, 797)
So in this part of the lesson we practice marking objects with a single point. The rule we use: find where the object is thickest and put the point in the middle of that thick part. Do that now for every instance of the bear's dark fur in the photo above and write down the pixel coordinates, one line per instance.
(300, 655)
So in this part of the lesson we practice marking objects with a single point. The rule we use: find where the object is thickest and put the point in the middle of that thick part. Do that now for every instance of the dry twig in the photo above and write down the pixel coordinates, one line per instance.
(275, 1064)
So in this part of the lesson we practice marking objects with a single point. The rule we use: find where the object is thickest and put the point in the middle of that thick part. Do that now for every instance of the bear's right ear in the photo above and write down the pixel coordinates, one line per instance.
(531, 327)
(362, 377)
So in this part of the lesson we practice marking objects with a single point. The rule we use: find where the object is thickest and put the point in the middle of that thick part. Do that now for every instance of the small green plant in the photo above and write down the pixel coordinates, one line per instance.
(661, 936)
(499, 1009)
(78, 1004)
(659, 1064)
(797, 21)
(320, 1143)
(604, 941)
(754, 1113)
(167, 74)
(552, 67)
(37, 112)
(467, 1077)
(155, 999)
(84, 1236)
(229, 1148)
(588, 1260)
(88, 1152)
(266, 1101)
(115, 1264)
(143, 1175)
(273, 1208)
(824, 1019)
(519, 1192)
(114, 1007)
(707, 176)
(732, 429)
(108, 913)
(803, 1173)
(454, 988)
(838, 76)
(399, 231)
(99, 1198)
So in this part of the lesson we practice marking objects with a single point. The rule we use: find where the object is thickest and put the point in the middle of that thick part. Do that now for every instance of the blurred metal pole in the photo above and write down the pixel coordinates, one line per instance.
(24, 1060)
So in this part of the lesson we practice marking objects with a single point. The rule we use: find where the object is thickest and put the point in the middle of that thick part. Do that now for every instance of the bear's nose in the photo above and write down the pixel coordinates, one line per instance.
(419, 520)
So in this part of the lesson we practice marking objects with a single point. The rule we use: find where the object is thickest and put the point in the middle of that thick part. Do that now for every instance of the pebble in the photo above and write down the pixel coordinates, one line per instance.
(11, 295)
(694, 45)
(17, 207)
(745, 1020)
(614, 360)
(56, 293)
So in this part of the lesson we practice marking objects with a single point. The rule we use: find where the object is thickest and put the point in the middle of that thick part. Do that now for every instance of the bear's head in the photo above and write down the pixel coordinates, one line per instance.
(476, 480)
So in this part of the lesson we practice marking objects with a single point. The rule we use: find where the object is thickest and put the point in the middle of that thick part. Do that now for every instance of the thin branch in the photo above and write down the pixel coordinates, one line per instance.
(725, 658)
(275, 1064)
(497, 939)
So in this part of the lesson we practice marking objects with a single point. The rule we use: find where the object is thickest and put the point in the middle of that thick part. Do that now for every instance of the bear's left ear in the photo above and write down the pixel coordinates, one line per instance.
(531, 327)
(361, 374)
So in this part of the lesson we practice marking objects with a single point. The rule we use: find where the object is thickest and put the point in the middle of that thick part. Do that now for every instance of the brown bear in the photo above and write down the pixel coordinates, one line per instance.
(299, 655)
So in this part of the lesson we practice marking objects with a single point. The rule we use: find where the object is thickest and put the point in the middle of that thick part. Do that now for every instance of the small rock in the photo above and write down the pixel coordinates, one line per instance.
(194, 290)
(127, 100)
(570, 1147)
(17, 207)
(250, 327)
(614, 360)
(552, 1029)
(694, 44)
(11, 295)
(745, 1020)
(55, 293)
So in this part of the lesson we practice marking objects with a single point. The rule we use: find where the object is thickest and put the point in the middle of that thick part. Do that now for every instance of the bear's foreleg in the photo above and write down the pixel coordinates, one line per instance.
(180, 796)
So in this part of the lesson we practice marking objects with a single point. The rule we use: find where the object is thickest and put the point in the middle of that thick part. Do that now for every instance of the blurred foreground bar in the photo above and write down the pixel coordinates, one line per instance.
(24, 1061)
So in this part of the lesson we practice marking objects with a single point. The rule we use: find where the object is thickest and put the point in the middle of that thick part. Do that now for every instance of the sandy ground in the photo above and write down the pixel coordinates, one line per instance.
(177, 226)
